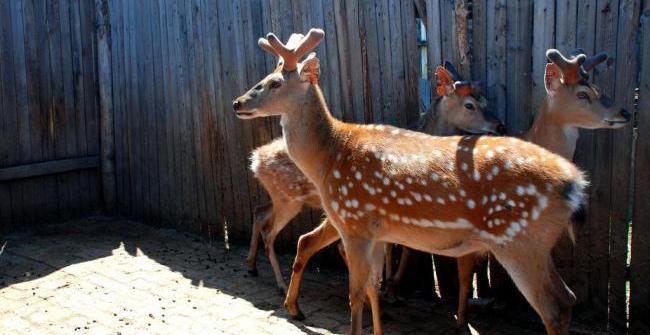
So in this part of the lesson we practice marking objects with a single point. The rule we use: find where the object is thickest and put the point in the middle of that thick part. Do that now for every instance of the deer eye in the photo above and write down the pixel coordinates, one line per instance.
(469, 106)
(275, 84)
(258, 87)
(583, 96)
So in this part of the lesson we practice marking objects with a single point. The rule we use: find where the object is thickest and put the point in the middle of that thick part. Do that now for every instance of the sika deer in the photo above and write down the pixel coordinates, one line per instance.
(446, 195)
(459, 107)
(571, 103)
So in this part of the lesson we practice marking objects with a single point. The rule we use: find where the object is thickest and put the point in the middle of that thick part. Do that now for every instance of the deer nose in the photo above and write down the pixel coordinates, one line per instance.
(625, 114)
(501, 129)
(236, 105)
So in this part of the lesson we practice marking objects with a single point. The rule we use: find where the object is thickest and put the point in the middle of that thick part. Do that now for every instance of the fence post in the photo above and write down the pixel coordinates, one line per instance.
(107, 139)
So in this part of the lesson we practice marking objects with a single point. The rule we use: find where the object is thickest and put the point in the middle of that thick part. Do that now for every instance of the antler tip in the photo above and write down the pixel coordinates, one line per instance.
(316, 32)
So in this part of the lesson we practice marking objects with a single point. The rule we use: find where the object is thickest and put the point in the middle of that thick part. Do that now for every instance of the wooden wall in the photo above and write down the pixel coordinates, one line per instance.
(48, 116)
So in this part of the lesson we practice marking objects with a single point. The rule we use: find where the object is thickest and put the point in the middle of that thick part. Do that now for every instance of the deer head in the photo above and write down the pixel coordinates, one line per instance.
(461, 104)
(286, 86)
(572, 99)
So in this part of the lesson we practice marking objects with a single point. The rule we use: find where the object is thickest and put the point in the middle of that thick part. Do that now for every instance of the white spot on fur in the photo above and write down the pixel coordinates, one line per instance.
(337, 174)
(335, 205)
(471, 203)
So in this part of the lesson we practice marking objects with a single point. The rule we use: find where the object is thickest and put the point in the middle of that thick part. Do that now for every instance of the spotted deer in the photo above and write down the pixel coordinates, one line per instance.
(451, 195)
(459, 108)
(571, 103)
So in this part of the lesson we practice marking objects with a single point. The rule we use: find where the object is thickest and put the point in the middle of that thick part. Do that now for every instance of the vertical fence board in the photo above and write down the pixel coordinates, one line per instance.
(577, 273)
(599, 209)
(543, 39)
(640, 246)
(621, 155)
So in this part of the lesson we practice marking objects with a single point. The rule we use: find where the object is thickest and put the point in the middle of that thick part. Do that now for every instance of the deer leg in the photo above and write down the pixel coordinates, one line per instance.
(359, 267)
(396, 279)
(372, 292)
(538, 280)
(261, 216)
(281, 216)
(308, 245)
(465, 272)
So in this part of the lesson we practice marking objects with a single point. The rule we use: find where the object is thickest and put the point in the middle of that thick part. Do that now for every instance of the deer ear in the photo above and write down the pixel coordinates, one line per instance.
(552, 78)
(445, 81)
(309, 69)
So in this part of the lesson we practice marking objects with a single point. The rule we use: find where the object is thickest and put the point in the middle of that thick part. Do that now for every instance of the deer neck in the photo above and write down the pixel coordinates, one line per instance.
(310, 134)
(552, 132)
(436, 124)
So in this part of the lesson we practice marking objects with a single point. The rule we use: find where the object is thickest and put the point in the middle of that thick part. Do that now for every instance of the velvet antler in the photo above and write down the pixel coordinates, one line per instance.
(570, 67)
(297, 46)
(593, 61)
(462, 87)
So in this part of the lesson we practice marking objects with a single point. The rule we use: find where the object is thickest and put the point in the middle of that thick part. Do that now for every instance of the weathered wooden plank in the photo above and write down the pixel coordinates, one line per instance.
(229, 74)
(621, 157)
(198, 103)
(434, 52)
(479, 43)
(543, 39)
(565, 25)
(518, 71)
(121, 150)
(345, 60)
(160, 59)
(71, 126)
(448, 41)
(372, 62)
(639, 322)
(79, 95)
(106, 104)
(496, 56)
(22, 139)
(330, 47)
(599, 217)
(48, 168)
(384, 53)
(411, 63)
(149, 109)
(91, 112)
(577, 274)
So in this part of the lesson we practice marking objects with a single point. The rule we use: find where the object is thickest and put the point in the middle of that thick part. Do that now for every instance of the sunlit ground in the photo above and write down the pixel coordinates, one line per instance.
(113, 276)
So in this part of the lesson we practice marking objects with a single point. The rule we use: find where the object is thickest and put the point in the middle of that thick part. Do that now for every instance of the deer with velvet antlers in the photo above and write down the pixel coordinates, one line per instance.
(447, 195)
(571, 102)
(459, 108)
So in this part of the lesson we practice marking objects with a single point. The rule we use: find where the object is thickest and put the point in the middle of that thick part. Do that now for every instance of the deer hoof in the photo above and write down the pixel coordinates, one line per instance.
(253, 272)
(299, 316)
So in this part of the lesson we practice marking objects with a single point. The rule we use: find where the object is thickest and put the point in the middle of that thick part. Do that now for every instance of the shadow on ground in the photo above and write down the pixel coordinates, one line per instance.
(59, 248)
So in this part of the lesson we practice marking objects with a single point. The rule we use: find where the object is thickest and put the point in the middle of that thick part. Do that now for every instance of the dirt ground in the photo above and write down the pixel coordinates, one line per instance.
(113, 276)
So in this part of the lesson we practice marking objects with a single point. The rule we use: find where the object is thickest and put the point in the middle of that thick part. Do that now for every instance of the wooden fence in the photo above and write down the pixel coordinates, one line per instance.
(169, 69)
(49, 136)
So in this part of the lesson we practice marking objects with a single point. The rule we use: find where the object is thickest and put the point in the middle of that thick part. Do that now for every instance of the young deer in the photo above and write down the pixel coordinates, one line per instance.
(446, 195)
(571, 103)
(459, 107)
